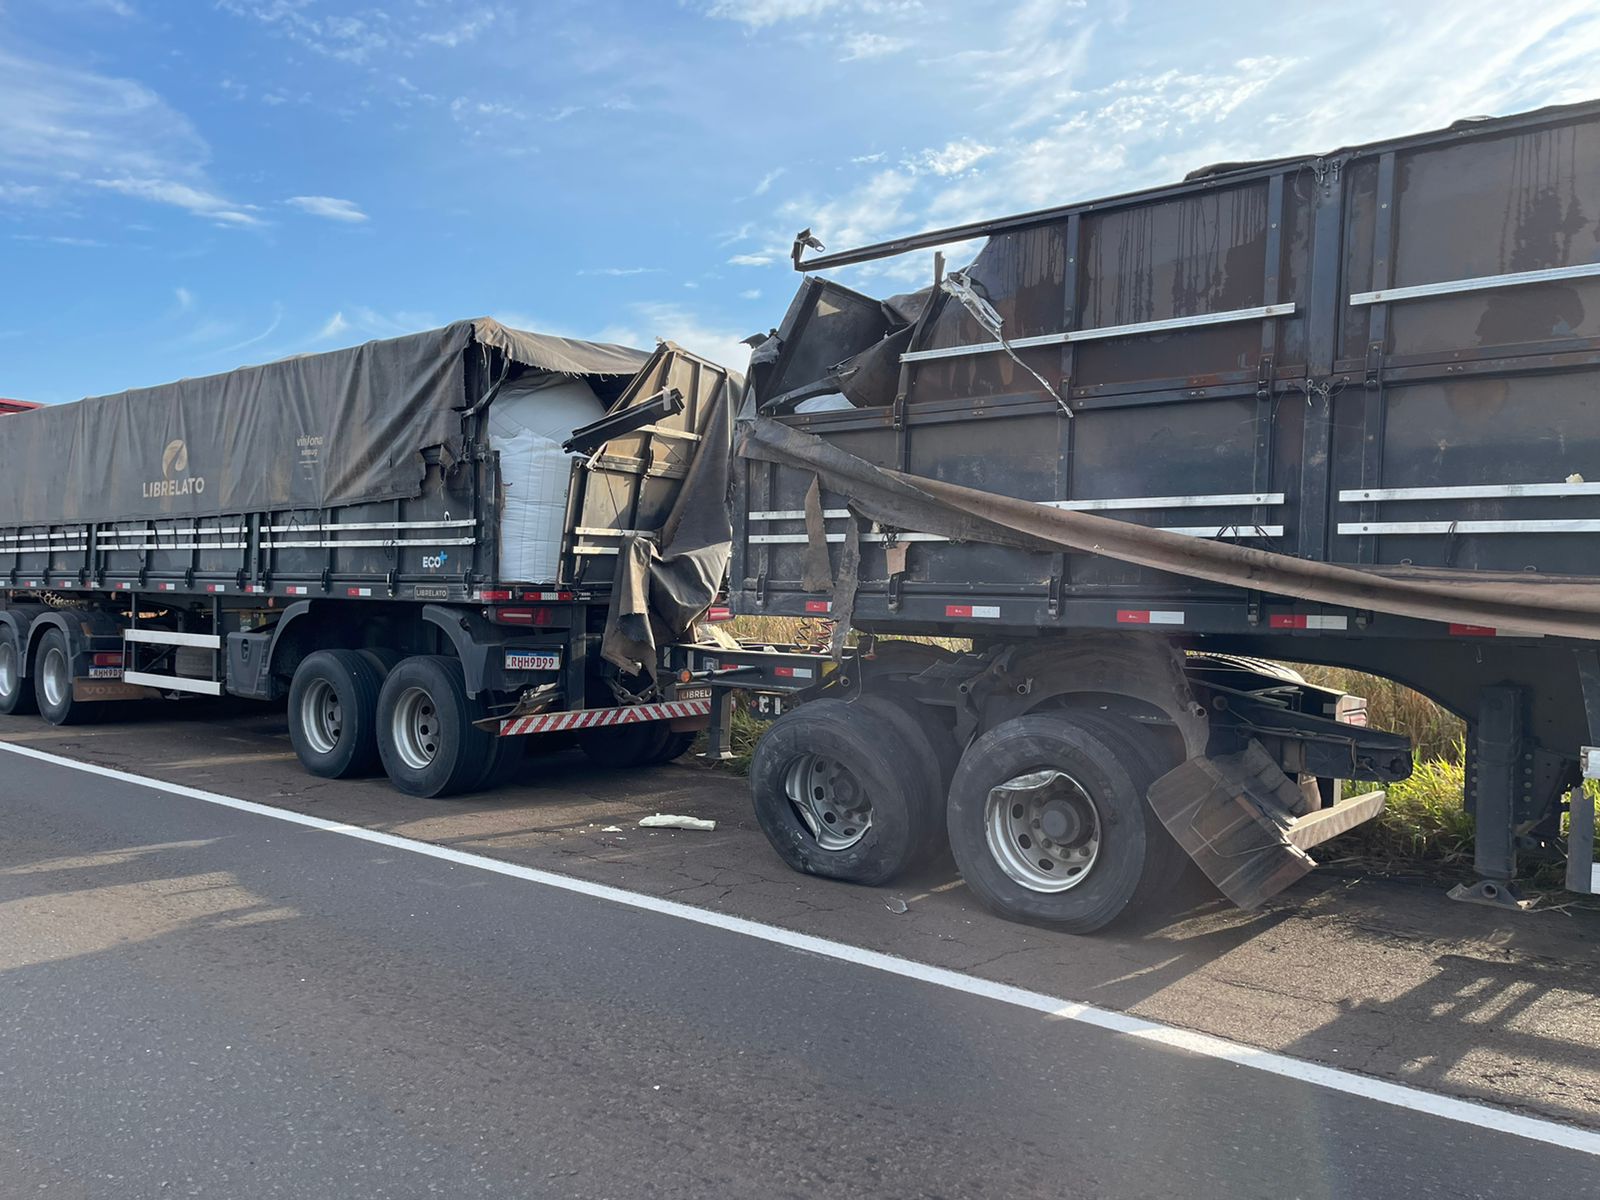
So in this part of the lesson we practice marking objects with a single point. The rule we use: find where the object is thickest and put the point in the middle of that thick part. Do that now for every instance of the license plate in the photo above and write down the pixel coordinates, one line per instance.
(769, 704)
(533, 660)
(105, 672)
(693, 693)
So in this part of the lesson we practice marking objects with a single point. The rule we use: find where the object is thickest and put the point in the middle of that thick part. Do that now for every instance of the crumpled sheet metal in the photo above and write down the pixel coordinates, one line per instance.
(917, 503)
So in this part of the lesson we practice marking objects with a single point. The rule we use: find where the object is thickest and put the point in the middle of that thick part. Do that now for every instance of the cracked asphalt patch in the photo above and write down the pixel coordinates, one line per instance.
(1370, 975)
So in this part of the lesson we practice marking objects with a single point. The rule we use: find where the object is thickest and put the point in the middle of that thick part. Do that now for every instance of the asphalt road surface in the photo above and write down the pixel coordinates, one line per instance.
(198, 1000)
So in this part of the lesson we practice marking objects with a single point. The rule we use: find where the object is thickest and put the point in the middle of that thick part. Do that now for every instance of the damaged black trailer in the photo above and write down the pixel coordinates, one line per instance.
(430, 546)
(1341, 409)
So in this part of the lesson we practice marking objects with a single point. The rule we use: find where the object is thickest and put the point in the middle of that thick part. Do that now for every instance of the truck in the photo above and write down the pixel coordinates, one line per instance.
(1057, 522)
(1078, 499)
(412, 543)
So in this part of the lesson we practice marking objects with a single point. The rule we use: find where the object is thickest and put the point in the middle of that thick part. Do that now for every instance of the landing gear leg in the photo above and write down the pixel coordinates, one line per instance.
(1499, 771)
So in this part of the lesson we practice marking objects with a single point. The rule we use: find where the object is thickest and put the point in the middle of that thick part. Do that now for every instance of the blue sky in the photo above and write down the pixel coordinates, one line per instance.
(187, 186)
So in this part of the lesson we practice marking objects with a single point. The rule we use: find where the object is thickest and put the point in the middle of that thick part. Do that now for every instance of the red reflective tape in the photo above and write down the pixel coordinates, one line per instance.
(1286, 621)
(783, 672)
(1471, 630)
(825, 606)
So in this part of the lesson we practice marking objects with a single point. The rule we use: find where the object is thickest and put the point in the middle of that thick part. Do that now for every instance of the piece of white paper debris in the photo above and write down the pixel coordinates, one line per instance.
(1574, 478)
(612, 829)
(895, 905)
(665, 821)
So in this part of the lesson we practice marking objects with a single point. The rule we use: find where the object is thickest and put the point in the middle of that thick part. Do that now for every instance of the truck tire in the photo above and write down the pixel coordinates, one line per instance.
(505, 761)
(675, 746)
(835, 788)
(1146, 759)
(426, 739)
(631, 745)
(16, 689)
(381, 657)
(1075, 845)
(936, 762)
(52, 682)
(333, 713)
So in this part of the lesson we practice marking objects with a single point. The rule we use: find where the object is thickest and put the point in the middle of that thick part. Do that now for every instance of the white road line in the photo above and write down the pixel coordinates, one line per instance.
(1397, 1094)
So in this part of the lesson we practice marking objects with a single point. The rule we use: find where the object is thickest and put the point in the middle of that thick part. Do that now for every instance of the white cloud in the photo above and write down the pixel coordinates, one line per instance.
(348, 39)
(334, 326)
(272, 327)
(752, 260)
(751, 294)
(330, 207)
(767, 180)
(757, 14)
(1096, 108)
(621, 271)
(954, 157)
(674, 323)
(57, 239)
(64, 129)
(184, 297)
(181, 195)
(870, 45)
(464, 31)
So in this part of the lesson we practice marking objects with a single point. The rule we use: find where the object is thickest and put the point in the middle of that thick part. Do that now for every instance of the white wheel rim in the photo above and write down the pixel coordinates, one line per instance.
(9, 676)
(321, 716)
(829, 801)
(415, 728)
(55, 678)
(1043, 830)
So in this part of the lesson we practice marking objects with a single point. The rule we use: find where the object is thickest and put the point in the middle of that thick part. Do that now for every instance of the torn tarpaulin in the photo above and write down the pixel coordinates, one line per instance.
(661, 587)
(912, 502)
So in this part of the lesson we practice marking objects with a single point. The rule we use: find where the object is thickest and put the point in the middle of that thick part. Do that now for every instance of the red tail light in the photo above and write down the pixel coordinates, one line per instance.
(523, 616)
(719, 612)
(108, 659)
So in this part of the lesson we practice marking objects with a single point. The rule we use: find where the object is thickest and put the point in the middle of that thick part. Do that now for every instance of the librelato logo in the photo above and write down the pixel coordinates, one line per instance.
(175, 478)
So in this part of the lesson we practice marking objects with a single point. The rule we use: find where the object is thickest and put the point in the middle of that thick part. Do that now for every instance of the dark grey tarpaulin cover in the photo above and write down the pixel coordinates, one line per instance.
(314, 431)
(917, 503)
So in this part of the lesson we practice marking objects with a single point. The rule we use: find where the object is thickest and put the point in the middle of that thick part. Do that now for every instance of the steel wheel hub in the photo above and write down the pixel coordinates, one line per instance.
(829, 800)
(416, 728)
(1043, 830)
(321, 716)
(10, 676)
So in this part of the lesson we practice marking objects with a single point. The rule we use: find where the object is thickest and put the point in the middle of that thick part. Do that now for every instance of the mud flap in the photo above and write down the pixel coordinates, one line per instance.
(1232, 815)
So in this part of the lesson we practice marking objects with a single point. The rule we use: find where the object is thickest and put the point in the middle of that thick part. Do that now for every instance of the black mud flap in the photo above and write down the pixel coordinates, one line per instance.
(1232, 816)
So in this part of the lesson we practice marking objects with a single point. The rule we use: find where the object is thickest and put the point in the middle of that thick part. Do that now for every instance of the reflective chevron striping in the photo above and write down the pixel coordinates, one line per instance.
(594, 718)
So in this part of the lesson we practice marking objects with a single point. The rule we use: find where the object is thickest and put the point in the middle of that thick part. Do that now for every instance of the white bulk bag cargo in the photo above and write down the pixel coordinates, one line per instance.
(528, 421)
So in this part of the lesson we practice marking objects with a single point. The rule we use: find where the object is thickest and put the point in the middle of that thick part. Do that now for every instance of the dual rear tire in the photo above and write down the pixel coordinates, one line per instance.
(352, 711)
(1045, 814)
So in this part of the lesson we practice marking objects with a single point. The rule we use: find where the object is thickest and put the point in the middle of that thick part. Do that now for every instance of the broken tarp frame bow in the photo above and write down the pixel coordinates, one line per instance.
(897, 500)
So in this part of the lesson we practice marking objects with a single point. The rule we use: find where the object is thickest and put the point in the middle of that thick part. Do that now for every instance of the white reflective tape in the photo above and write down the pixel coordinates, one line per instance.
(1165, 618)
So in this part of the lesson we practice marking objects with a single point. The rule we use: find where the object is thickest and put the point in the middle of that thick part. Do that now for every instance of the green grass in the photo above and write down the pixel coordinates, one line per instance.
(1423, 819)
